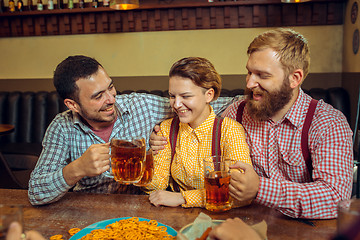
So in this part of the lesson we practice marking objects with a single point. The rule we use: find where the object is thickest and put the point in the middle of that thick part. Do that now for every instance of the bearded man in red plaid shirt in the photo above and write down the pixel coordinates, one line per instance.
(273, 115)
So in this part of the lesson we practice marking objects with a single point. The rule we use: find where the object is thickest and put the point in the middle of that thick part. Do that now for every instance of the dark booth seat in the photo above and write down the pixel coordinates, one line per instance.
(338, 97)
(32, 112)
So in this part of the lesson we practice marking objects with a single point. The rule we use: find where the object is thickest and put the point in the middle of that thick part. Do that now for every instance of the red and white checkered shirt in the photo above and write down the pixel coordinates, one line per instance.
(275, 150)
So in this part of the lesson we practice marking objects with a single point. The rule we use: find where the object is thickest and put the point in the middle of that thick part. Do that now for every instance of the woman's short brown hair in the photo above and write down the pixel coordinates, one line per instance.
(200, 70)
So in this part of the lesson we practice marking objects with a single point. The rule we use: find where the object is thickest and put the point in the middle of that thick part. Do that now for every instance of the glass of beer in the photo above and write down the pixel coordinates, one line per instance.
(149, 170)
(348, 216)
(217, 181)
(127, 159)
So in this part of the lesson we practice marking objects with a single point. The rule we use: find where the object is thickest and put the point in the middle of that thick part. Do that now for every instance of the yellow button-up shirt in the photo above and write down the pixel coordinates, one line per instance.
(192, 146)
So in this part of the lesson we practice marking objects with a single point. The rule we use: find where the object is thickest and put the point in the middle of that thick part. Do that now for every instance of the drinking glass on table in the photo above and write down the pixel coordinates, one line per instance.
(127, 159)
(349, 218)
(217, 180)
(148, 171)
(9, 213)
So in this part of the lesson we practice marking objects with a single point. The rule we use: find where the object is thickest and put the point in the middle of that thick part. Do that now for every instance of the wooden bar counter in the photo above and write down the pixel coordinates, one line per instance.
(6, 128)
(82, 209)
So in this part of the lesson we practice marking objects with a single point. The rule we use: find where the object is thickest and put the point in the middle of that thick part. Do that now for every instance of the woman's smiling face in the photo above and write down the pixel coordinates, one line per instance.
(189, 101)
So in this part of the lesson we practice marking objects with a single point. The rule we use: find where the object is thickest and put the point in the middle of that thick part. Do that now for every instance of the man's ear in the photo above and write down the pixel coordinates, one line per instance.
(296, 78)
(209, 94)
(72, 105)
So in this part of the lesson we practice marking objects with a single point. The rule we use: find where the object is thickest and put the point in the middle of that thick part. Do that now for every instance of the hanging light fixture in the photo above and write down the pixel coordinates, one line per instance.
(294, 1)
(124, 4)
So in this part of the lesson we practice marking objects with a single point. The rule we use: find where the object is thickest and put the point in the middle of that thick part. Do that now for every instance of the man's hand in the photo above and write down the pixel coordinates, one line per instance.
(157, 143)
(166, 198)
(244, 185)
(233, 229)
(93, 162)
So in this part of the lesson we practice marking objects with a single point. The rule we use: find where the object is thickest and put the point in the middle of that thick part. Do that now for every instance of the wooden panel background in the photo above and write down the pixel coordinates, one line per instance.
(152, 17)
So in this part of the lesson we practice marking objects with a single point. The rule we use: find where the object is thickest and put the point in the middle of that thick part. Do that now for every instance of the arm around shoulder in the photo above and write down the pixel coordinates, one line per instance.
(161, 162)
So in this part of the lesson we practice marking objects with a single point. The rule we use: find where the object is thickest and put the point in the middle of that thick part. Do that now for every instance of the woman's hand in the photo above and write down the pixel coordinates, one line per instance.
(166, 198)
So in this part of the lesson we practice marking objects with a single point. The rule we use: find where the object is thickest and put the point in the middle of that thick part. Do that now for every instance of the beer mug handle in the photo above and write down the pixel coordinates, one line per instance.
(109, 172)
(208, 169)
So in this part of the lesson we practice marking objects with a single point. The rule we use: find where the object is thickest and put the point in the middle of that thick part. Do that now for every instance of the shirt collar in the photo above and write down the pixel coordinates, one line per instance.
(202, 130)
(298, 110)
(121, 105)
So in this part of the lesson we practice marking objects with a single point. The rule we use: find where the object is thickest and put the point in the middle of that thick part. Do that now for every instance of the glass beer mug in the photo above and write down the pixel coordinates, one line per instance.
(127, 159)
(217, 181)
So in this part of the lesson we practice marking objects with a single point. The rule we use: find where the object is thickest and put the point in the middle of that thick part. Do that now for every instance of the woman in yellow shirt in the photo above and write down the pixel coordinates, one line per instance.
(193, 84)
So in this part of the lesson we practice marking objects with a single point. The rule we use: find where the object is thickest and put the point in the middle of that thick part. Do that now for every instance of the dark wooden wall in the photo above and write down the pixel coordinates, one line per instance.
(171, 16)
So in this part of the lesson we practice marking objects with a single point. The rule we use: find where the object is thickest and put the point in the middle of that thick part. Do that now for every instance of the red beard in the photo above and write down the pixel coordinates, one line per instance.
(271, 102)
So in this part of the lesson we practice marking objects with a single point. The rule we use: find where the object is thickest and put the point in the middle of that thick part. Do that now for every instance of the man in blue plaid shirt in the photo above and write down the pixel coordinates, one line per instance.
(75, 151)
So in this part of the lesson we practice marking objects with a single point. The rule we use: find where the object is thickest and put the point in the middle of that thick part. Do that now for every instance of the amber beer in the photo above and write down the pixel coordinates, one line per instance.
(149, 170)
(217, 191)
(217, 181)
(127, 160)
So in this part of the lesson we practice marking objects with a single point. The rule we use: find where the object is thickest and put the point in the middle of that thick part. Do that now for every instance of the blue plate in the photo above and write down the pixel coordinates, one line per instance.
(103, 224)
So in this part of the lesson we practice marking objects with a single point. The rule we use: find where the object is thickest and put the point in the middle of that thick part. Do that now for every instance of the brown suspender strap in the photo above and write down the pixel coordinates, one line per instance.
(304, 133)
(305, 136)
(215, 143)
(174, 131)
(216, 137)
(240, 112)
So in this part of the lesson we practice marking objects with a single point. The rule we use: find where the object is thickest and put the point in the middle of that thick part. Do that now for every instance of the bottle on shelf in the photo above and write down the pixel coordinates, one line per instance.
(106, 3)
(39, 5)
(50, 5)
(20, 6)
(81, 4)
(29, 5)
(95, 3)
(60, 4)
(1, 6)
(11, 6)
(70, 4)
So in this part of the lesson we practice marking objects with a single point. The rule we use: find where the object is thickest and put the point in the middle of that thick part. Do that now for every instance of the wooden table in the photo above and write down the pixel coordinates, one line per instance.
(83, 209)
(6, 128)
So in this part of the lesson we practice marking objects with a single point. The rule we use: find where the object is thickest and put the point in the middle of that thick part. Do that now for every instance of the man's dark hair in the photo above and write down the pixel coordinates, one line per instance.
(69, 71)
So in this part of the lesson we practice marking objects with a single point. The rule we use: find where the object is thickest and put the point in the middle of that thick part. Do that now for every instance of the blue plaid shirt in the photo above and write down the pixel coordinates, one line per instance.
(67, 138)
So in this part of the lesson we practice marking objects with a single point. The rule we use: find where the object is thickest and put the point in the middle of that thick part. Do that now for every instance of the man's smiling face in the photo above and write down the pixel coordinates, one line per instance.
(267, 88)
